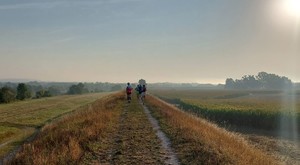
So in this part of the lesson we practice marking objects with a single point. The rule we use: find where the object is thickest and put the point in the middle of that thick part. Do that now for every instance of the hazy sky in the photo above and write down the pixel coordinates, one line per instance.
(204, 41)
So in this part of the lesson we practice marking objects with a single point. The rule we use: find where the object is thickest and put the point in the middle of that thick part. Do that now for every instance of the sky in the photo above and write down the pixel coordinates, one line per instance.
(183, 41)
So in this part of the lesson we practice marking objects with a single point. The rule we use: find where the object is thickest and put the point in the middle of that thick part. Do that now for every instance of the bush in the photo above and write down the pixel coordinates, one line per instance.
(7, 95)
(42, 93)
(77, 89)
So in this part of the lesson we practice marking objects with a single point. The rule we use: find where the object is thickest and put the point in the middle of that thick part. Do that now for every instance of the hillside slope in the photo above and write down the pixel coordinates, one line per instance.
(111, 131)
(21, 120)
(197, 141)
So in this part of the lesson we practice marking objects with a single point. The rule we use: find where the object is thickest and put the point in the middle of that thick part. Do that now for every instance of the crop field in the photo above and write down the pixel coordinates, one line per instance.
(21, 120)
(270, 120)
(256, 109)
(271, 101)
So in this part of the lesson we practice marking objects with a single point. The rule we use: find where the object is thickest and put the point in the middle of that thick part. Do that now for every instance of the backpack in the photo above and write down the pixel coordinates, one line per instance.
(144, 89)
(128, 90)
(140, 89)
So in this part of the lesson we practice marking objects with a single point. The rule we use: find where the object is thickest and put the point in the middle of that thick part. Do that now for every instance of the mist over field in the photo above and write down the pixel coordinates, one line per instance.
(149, 82)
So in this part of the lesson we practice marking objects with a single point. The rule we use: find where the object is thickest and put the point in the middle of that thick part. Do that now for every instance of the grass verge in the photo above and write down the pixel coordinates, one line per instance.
(65, 141)
(197, 141)
(20, 120)
(35, 113)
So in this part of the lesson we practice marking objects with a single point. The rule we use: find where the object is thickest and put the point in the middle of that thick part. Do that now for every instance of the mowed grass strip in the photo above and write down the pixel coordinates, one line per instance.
(38, 111)
(11, 137)
(68, 140)
(197, 141)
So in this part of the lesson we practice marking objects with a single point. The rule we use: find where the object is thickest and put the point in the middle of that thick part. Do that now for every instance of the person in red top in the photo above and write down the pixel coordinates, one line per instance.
(128, 92)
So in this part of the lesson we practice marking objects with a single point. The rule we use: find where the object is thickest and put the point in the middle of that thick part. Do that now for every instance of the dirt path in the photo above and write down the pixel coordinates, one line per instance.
(170, 156)
(136, 139)
(132, 136)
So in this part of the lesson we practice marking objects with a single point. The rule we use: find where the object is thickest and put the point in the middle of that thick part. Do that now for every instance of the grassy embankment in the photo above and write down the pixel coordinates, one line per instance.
(20, 120)
(257, 109)
(64, 141)
(110, 131)
(198, 142)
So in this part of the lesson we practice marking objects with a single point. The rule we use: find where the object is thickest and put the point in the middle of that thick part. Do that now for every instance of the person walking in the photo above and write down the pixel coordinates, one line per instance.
(143, 93)
(128, 92)
(138, 90)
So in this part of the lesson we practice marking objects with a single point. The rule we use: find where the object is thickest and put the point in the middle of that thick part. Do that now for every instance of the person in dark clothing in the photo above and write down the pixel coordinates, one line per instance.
(143, 93)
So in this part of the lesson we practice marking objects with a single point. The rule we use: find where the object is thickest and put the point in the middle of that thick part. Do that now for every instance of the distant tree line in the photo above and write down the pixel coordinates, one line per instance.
(262, 81)
(10, 92)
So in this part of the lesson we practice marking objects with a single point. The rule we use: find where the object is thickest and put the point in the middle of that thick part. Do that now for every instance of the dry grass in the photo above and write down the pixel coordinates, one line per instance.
(20, 120)
(197, 141)
(65, 141)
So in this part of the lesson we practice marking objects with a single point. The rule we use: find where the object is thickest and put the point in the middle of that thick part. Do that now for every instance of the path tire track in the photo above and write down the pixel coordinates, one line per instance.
(170, 156)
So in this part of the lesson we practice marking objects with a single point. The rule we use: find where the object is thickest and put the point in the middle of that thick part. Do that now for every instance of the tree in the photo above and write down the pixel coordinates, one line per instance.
(273, 81)
(229, 84)
(77, 89)
(250, 82)
(262, 81)
(73, 90)
(142, 82)
(23, 92)
(7, 95)
(54, 91)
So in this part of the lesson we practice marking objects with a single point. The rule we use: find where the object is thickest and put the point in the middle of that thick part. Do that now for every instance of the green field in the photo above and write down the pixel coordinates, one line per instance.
(257, 109)
(20, 120)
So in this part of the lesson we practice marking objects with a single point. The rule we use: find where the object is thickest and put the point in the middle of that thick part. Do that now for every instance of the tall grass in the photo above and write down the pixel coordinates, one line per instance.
(67, 140)
(199, 142)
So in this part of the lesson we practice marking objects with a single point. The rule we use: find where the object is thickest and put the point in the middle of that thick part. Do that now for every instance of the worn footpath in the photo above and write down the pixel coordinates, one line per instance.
(135, 140)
